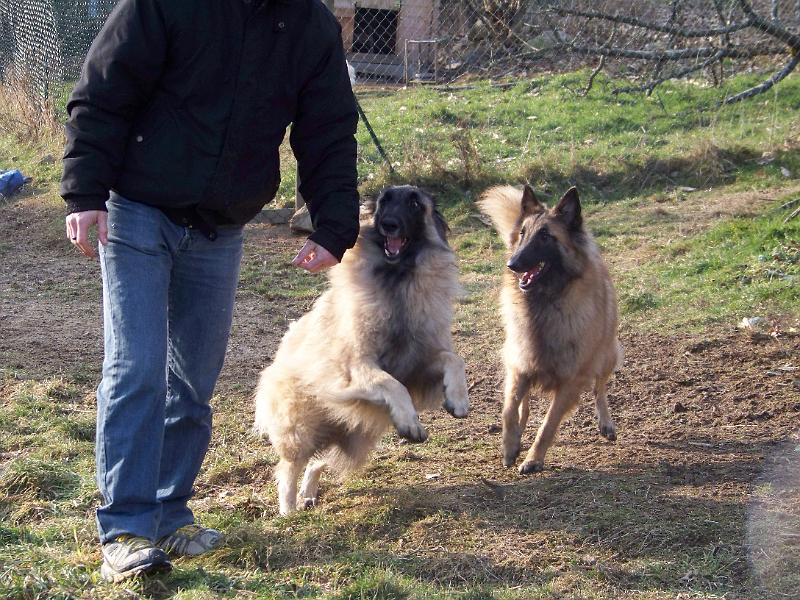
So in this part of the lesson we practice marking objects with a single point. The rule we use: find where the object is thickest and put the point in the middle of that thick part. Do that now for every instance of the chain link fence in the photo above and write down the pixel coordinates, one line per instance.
(43, 42)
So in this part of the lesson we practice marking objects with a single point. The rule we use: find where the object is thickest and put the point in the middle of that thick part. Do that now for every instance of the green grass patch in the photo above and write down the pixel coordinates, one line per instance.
(458, 141)
(611, 146)
(275, 279)
(742, 267)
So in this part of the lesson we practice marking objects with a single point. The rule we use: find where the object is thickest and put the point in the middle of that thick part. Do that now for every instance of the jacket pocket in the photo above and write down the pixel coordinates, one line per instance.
(161, 164)
(147, 127)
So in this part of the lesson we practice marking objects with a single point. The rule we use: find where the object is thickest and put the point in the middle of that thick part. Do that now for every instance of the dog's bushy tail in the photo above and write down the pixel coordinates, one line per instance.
(503, 205)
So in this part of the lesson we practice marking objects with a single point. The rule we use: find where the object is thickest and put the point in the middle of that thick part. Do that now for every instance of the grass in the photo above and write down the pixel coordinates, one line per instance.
(739, 268)
(611, 147)
(273, 279)
(683, 260)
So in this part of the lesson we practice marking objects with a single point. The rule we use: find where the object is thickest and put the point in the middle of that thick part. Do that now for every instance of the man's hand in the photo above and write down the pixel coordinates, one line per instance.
(314, 258)
(78, 225)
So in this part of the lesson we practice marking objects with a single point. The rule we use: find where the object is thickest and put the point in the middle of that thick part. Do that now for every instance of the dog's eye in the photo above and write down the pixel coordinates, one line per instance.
(522, 232)
(544, 235)
(415, 204)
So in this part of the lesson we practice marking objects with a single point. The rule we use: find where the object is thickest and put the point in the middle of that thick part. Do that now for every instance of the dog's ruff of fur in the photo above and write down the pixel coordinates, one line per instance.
(560, 340)
(372, 352)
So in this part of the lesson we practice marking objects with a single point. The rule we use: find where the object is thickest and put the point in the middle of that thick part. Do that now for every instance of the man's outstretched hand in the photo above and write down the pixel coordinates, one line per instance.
(314, 258)
(78, 225)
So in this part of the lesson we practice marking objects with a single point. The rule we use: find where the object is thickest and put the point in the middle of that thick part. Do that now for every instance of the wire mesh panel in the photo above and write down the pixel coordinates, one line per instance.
(29, 50)
(421, 40)
(445, 40)
(653, 41)
(43, 42)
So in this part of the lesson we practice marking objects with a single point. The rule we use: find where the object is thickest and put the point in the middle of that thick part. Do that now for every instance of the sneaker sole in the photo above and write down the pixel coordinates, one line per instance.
(112, 576)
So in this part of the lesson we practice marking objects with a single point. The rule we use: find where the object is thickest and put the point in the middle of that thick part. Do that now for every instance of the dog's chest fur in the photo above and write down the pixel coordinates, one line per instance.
(412, 316)
(545, 334)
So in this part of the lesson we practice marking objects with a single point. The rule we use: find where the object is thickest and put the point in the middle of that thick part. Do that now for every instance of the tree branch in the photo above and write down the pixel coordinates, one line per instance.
(763, 87)
(650, 86)
(681, 54)
(585, 91)
(771, 27)
(633, 21)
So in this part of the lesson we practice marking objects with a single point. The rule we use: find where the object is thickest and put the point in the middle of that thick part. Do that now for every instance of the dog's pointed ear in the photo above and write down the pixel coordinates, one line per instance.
(442, 228)
(569, 209)
(530, 203)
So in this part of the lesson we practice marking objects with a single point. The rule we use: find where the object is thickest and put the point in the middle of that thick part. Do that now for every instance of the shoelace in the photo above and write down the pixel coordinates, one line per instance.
(178, 541)
(134, 543)
(190, 530)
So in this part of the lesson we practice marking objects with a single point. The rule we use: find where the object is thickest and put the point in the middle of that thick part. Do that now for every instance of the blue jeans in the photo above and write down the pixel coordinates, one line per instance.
(168, 296)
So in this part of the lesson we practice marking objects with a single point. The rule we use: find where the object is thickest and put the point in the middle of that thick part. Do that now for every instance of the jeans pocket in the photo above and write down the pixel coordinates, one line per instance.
(136, 225)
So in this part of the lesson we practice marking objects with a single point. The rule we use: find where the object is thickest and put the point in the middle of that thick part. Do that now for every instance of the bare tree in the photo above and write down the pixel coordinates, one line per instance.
(682, 39)
(657, 41)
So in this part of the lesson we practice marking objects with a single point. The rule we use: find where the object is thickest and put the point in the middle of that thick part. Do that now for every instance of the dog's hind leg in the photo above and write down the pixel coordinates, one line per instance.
(286, 474)
(352, 452)
(348, 455)
(309, 489)
(524, 411)
(607, 428)
(456, 398)
(514, 407)
(564, 400)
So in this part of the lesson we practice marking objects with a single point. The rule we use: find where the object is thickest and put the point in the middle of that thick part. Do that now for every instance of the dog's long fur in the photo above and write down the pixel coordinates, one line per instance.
(374, 350)
(561, 330)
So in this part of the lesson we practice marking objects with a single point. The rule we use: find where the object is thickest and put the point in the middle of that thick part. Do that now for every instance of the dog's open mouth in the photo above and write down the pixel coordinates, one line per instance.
(394, 245)
(528, 278)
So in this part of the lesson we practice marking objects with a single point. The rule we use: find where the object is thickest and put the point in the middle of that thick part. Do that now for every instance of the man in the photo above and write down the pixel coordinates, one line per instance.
(174, 129)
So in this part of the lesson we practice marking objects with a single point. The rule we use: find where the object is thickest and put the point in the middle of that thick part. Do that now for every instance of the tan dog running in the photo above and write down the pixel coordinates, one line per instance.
(560, 314)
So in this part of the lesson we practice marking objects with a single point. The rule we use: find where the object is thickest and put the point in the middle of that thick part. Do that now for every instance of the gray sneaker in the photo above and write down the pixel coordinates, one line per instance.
(191, 540)
(129, 555)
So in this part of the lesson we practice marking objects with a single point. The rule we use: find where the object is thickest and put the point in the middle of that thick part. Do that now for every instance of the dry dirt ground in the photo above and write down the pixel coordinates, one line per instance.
(704, 422)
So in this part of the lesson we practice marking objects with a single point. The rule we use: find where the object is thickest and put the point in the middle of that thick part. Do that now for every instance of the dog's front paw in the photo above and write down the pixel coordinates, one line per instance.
(456, 394)
(609, 432)
(458, 409)
(509, 458)
(531, 466)
(414, 432)
(511, 450)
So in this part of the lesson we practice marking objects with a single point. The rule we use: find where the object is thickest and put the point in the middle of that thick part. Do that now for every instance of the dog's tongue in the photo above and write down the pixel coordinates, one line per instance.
(534, 272)
(394, 244)
(528, 276)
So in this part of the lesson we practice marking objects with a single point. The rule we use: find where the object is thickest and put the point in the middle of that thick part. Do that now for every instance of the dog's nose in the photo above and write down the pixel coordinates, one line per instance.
(514, 264)
(390, 225)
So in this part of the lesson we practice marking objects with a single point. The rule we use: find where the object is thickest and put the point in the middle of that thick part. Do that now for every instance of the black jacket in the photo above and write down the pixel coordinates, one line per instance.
(184, 103)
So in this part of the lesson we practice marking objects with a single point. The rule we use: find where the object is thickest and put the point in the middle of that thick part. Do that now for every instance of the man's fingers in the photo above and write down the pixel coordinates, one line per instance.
(102, 228)
(82, 240)
(305, 254)
(79, 225)
(314, 258)
(320, 262)
(313, 265)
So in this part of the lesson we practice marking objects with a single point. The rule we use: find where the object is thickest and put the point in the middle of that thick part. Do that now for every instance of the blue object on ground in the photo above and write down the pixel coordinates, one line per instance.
(10, 182)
